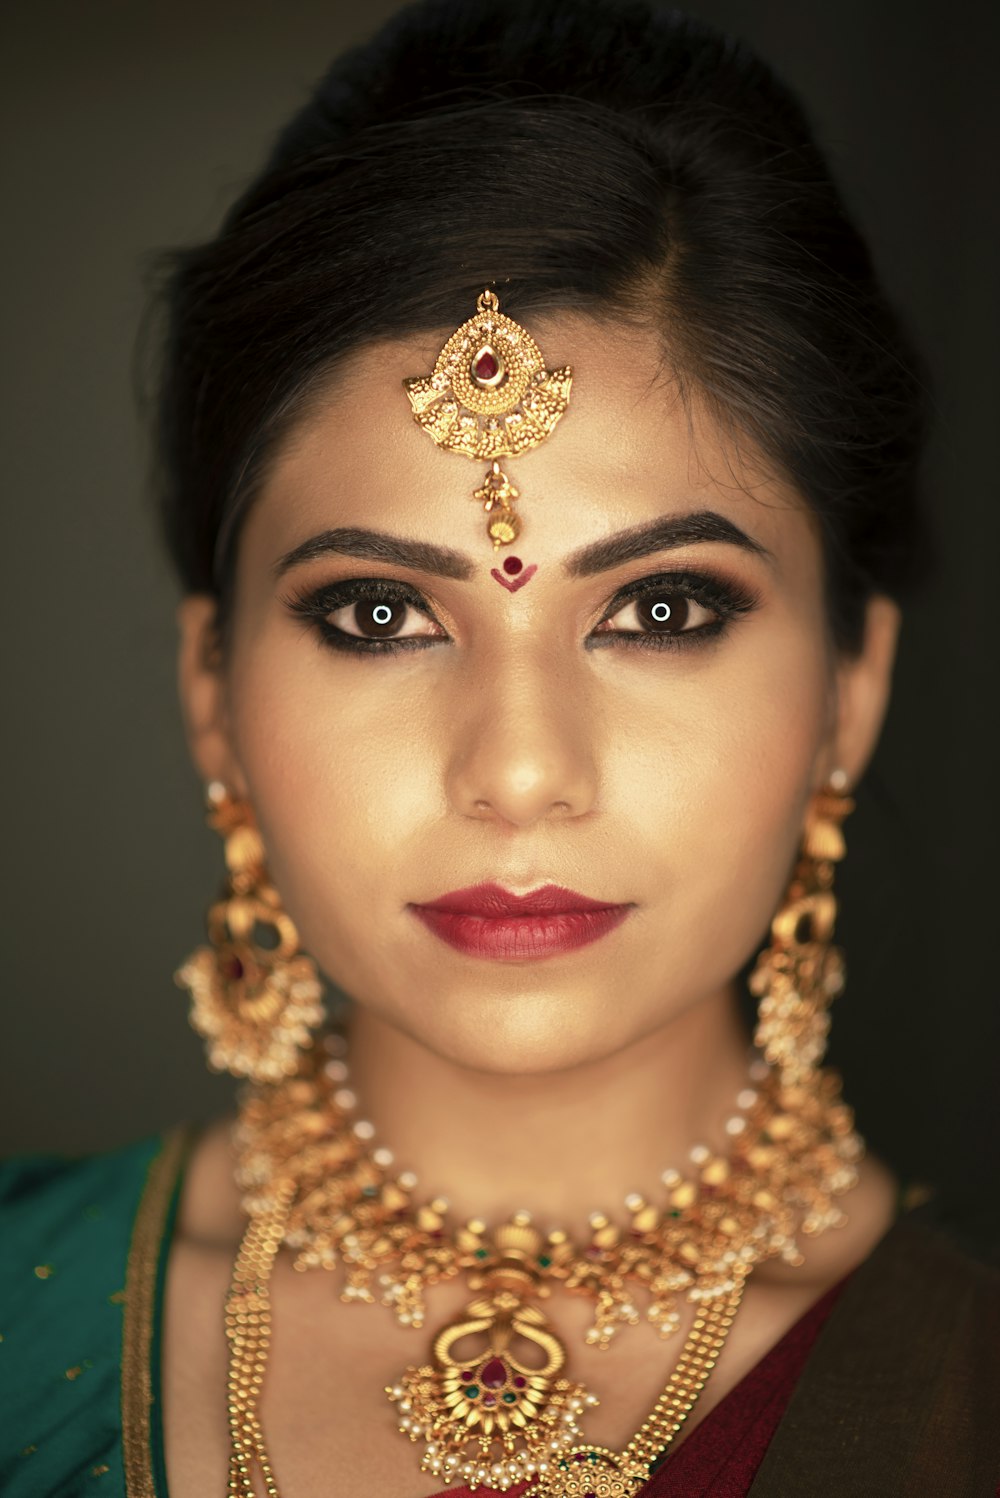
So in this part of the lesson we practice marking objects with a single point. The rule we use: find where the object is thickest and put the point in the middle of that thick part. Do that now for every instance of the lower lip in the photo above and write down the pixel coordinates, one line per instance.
(524, 937)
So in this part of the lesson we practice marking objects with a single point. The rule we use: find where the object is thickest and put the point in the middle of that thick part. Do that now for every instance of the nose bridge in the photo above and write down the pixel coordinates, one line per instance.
(522, 742)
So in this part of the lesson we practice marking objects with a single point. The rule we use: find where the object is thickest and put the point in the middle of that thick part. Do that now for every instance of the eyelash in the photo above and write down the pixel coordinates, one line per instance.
(725, 598)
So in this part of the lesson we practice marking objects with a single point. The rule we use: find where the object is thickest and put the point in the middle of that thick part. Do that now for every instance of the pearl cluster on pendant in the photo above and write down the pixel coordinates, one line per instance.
(522, 1466)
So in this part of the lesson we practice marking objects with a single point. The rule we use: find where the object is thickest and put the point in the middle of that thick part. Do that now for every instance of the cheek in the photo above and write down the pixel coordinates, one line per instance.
(716, 789)
(335, 775)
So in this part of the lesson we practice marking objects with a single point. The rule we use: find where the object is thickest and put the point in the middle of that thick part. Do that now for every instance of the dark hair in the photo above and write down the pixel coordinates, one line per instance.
(615, 158)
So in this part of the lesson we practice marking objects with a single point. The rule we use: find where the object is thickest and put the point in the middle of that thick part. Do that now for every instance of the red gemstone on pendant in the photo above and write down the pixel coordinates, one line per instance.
(233, 968)
(494, 1375)
(487, 366)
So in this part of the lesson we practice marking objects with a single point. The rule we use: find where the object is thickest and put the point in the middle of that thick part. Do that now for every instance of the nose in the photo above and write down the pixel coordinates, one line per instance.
(522, 746)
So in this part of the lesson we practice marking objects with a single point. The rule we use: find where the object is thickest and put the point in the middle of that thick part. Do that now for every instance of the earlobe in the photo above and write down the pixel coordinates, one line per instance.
(201, 687)
(864, 685)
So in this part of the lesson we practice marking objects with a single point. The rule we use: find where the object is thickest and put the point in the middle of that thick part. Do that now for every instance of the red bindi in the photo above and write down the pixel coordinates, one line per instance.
(512, 566)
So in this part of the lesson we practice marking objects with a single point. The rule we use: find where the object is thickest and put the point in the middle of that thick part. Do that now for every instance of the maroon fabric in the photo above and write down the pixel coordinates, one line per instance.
(721, 1455)
(719, 1459)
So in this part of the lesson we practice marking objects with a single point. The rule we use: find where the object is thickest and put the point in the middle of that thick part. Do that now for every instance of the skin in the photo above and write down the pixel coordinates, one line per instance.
(675, 780)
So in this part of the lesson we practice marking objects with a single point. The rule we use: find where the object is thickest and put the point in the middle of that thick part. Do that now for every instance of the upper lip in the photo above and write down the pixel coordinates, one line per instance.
(494, 900)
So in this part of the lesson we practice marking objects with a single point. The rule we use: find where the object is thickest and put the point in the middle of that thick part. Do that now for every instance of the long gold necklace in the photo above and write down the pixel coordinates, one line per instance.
(314, 1180)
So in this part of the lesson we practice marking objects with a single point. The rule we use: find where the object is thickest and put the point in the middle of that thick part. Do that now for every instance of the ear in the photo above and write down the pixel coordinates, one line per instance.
(862, 689)
(201, 684)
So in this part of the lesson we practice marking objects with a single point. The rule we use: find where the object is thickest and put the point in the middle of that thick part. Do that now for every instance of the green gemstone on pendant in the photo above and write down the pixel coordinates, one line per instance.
(472, 1392)
(510, 1398)
(482, 1253)
(544, 1260)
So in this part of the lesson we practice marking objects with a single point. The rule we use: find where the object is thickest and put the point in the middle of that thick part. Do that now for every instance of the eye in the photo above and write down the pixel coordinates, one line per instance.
(368, 614)
(378, 619)
(661, 611)
(675, 610)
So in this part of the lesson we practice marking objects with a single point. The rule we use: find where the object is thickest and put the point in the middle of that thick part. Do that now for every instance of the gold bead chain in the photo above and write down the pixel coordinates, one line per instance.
(248, 1330)
(582, 1470)
(699, 1356)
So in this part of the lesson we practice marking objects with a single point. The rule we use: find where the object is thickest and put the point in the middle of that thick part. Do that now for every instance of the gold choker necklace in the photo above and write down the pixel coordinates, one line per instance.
(315, 1180)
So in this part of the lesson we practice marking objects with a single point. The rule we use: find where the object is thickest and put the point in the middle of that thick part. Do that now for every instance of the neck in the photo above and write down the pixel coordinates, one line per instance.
(559, 1144)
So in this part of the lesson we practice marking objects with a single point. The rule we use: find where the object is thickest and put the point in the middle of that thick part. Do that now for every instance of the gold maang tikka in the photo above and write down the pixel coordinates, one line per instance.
(489, 396)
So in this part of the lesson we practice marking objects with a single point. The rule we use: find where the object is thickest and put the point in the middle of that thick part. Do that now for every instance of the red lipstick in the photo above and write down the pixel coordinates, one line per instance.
(486, 920)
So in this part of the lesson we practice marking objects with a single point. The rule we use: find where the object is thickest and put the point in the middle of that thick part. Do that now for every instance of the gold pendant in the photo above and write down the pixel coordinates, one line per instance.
(490, 1417)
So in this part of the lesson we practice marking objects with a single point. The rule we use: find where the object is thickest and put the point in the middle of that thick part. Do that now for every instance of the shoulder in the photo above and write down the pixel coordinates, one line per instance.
(66, 1227)
(943, 1255)
(37, 1188)
(903, 1383)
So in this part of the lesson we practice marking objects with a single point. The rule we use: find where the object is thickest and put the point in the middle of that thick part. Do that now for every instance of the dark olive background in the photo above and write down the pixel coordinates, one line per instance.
(129, 127)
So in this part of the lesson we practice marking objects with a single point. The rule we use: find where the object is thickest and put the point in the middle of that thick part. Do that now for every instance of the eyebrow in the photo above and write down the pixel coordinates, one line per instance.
(378, 546)
(663, 534)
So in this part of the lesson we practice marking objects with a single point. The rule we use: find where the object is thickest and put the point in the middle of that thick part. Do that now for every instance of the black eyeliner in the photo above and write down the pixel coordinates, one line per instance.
(703, 587)
(727, 599)
(313, 607)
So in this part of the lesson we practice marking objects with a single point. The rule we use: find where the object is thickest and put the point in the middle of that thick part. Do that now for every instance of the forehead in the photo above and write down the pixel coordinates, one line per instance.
(629, 447)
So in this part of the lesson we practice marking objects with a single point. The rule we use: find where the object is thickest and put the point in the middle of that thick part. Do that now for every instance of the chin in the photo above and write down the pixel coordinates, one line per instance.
(518, 1036)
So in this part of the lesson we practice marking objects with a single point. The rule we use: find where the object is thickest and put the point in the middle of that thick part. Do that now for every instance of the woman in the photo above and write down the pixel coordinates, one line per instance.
(536, 781)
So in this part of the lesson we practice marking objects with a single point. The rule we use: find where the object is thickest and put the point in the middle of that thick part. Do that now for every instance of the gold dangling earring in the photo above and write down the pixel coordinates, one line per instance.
(254, 997)
(798, 975)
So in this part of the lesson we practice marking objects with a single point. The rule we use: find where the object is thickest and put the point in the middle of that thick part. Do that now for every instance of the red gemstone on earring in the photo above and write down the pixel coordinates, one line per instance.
(494, 1375)
(487, 366)
(232, 968)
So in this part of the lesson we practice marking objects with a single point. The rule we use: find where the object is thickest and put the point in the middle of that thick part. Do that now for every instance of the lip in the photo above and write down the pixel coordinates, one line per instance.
(486, 920)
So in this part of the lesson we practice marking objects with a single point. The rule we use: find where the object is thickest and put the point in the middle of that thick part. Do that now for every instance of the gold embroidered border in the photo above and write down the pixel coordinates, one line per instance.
(137, 1330)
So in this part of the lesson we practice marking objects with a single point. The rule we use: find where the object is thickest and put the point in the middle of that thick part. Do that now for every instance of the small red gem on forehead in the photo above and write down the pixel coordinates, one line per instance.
(486, 366)
(512, 566)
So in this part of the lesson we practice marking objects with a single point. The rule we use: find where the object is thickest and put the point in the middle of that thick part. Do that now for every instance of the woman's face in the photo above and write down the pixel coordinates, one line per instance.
(645, 733)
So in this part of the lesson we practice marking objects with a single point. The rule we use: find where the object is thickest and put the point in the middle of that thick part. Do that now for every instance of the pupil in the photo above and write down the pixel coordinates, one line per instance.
(663, 617)
(378, 618)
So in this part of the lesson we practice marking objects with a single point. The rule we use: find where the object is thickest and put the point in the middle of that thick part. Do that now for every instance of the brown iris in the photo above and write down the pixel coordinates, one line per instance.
(665, 613)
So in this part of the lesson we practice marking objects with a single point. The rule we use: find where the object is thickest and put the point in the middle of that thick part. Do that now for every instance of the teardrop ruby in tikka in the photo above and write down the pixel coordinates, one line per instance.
(487, 368)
